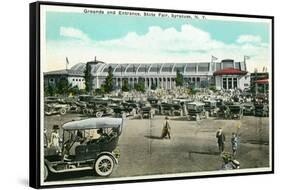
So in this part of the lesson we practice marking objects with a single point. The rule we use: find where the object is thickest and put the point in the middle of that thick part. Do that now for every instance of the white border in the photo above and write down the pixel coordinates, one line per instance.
(61, 8)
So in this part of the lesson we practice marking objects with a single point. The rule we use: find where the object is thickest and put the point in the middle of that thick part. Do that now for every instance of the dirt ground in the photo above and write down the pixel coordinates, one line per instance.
(193, 146)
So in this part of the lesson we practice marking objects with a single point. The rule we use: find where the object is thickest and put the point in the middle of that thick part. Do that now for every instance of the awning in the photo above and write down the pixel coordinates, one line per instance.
(230, 71)
(262, 81)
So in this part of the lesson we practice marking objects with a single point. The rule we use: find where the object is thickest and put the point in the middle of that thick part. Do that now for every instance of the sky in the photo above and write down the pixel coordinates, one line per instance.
(132, 39)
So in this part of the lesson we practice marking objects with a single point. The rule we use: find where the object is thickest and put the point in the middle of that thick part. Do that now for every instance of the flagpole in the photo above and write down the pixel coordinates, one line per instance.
(66, 63)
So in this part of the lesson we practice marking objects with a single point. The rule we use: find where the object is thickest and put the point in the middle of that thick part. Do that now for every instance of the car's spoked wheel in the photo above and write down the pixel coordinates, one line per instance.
(104, 165)
(63, 111)
(46, 173)
(99, 114)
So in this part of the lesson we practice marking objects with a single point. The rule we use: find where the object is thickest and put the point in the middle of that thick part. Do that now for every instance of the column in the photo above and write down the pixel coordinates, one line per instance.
(227, 83)
(116, 82)
(170, 83)
(145, 83)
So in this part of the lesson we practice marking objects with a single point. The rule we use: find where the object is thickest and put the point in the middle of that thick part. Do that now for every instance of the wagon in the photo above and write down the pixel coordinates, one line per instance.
(89, 144)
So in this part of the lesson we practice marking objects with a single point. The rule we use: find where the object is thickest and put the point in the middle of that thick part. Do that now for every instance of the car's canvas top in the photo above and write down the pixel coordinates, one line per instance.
(93, 123)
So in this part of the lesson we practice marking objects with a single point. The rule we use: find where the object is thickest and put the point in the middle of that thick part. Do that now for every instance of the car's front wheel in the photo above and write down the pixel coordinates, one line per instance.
(104, 165)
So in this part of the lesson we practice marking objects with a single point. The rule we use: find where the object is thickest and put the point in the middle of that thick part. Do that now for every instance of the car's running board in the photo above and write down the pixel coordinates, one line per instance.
(73, 169)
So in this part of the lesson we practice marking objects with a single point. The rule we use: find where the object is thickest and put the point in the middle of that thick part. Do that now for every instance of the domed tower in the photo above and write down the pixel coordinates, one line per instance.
(92, 71)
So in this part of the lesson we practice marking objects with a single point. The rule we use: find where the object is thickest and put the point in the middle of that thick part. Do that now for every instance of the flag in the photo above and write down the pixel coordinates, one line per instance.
(246, 57)
(67, 62)
(214, 58)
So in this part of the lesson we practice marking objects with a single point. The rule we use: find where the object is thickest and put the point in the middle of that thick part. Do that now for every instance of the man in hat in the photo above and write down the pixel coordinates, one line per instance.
(221, 139)
(166, 130)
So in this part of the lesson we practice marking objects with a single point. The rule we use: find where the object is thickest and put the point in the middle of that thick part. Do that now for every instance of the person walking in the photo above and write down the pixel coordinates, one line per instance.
(234, 143)
(221, 139)
(166, 130)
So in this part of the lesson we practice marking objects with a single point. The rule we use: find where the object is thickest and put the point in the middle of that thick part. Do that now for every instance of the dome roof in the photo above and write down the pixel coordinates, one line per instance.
(79, 67)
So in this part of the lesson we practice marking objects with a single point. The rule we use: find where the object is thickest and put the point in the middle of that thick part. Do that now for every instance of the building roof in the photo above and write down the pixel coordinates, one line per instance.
(230, 71)
(68, 72)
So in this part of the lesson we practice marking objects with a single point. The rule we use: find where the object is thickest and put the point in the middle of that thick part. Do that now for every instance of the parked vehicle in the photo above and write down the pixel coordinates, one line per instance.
(55, 105)
(196, 110)
(171, 109)
(55, 108)
(146, 111)
(236, 111)
(248, 109)
(81, 151)
(211, 107)
(261, 110)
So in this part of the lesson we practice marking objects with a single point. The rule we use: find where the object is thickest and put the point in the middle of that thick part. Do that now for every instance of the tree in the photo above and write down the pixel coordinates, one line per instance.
(50, 90)
(179, 79)
(108, 85)
(63, 86)
(125, 86)
(87, 77)
(140, 86)
(192, 89)
(74, 90)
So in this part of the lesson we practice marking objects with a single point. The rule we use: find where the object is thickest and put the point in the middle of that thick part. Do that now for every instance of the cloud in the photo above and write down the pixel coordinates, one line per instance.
(189, 44)
(248, 39)
(73, 33)
(189, 38)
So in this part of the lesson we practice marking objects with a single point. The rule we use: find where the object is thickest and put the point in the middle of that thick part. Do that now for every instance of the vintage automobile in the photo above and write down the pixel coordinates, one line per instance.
(93, 109)
(261, 110)
(248, 109)
(92, 106)
(53, 99)
(224, 109)
(55, 108)
(235, 111)
(127, 108)
(79, 151)
(76, 106)
(146, 111)
(196, 110)
(55, 105)
(172, 109)
(211, 107)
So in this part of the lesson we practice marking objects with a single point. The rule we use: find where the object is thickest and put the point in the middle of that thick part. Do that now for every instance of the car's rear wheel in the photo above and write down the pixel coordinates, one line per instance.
(62, 111)
(104, 165)
(46, 172)
(85, 111)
